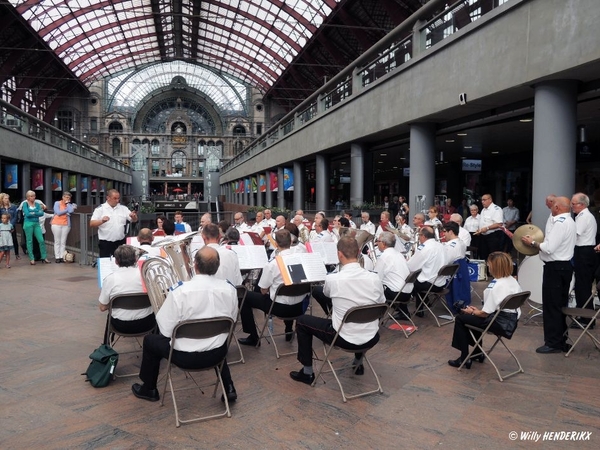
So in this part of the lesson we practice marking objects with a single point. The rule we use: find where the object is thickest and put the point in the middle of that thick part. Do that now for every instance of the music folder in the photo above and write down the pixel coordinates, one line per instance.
(250, 256)
(327, 250)
(301, 267)
(250, 238)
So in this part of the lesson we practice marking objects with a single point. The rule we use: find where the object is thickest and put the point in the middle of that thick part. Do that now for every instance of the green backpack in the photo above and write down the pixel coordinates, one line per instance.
(102, 367)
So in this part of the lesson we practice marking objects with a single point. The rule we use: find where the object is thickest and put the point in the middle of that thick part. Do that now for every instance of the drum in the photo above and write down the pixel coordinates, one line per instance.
(530, 276)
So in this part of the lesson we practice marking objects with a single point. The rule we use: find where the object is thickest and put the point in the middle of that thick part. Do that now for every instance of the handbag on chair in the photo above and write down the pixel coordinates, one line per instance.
(507, 321)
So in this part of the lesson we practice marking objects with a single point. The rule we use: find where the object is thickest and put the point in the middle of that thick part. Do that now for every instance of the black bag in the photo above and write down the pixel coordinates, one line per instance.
(507, 322)
(101, 369)
(20, 216)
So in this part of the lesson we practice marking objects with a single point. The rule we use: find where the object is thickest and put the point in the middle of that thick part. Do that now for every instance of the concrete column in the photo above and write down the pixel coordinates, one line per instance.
(252, 194)
(78, 195)
(245, 194)
(422, 165)
(268, 194)
(280, 190)
(298, 186)
(24, 181)
(259, 195)
(322, 182)
(554, 144)
(357, 172)
(46, 196)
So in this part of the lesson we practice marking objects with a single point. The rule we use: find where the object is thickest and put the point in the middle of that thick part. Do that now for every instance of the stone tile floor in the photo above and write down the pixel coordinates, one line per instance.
(50, 324)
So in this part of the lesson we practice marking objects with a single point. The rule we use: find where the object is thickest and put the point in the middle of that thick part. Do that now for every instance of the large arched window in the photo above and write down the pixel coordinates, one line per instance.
(116, 147)
(239, 130)
(178, 161)
(201, 148)
(115, 127)
(155, 147)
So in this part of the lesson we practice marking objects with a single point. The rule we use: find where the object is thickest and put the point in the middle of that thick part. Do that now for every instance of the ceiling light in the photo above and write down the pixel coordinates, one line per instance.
(402, 158)
(495, 153)
(449, 140)
(461, 134)
(380, 162)
(468, 146)
(525, 120)
(395, 167)
(343, 162)
(383, 154)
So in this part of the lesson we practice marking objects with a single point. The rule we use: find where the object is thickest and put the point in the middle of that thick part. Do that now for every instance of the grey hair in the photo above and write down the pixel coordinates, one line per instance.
(388, 239)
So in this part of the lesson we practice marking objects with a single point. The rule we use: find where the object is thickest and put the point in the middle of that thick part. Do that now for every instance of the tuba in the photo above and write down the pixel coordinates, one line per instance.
(159, 276)
(179, 254)
(366, 249)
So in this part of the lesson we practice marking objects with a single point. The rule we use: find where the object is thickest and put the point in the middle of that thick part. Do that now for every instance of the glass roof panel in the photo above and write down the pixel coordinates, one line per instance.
(105, 36)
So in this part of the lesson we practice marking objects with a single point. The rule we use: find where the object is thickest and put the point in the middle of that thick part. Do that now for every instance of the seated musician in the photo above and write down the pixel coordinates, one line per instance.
(430, 258)
(352, 286)
(229, 267)
(392, 269)
(126, 280)
(454, 246)
(321, 231)
(145, 239)
(269, 281)
(203, 297)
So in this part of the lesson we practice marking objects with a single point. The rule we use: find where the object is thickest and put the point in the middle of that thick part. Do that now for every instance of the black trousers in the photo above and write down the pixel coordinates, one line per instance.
(157, 347)
(107, 248)
(584, 260)
(322, 299)
(402, 303)
(461, 338)
(555, 295)
(423, 286)
(263, 302)
(309, 326)
(133, 326)
(15, 241)
(489, 243)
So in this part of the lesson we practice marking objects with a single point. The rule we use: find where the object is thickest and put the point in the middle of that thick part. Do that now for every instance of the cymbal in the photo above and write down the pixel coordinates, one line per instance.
(528, 229)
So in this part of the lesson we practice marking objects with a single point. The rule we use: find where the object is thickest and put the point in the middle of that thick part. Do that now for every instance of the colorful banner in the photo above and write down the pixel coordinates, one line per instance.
(94, 184)
(288, 180)
(233, 187)
(56, 181)
(247, 185)
(109, 185)
(240, 188)
(254, 185)
(273, 182)
(102, 185)
(262, 183)
(38, 180)
(73, 183)
(84, 184)
(11, 176)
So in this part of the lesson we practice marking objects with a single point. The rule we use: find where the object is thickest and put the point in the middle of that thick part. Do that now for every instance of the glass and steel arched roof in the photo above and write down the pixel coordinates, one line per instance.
(253, 40)
(129, 88)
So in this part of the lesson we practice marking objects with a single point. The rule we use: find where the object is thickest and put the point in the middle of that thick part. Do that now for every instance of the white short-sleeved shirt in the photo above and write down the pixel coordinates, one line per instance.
(489, 216)
(114, 229)
(586, 228)
(464, 236)
(559, 240)
(229, 266)
(455, 250)
(392, 269)
(430, 257)
(472, 223)
(203, 297)
(497, 291)
(124, 280)
(353, 286)
(369, 227)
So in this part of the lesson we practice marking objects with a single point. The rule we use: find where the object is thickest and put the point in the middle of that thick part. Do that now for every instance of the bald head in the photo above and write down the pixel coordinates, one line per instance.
(561, 205)
(550, 200)
(207, 261)
(145, 236)
(456, 218)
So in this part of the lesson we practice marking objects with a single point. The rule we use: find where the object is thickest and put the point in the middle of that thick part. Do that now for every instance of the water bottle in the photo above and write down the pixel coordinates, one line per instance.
(270, 325)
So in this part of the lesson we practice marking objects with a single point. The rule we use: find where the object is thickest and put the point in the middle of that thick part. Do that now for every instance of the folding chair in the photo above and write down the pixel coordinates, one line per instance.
(576, 314)
(411, 278)
(199, 329)
(448, 271)
(292, 290)
(129, 302)
(241, 295)
(357, 314)
(513, 301)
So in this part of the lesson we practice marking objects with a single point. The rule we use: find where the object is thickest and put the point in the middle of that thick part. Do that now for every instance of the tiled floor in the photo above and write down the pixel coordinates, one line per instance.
(50, 323)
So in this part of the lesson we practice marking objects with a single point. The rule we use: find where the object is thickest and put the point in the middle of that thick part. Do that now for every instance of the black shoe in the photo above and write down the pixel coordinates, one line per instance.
(480, 358)
(420, 313)
(458, 362)
(231, 394)
(566, 347)
(584, 323)
(302, 377)
(289, 335)
(546, 349)
(359, 370)
(249, 341)
(140, 391)
(400, 316)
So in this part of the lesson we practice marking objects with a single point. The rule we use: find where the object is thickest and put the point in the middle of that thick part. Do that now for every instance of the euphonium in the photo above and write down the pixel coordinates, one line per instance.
(178, 251)
(159, 276)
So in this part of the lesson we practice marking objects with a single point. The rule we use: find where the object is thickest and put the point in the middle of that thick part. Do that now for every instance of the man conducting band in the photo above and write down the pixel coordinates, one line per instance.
(111, 219)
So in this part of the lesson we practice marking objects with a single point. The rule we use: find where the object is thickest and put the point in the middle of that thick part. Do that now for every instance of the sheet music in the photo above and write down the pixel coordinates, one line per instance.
(105, 266)
(312, 264)
(327, 250)
(250, 256)
(250, 238)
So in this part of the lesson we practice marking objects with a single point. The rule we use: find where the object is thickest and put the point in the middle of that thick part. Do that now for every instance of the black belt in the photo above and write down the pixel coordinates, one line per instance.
(557, 263)
(584, 246)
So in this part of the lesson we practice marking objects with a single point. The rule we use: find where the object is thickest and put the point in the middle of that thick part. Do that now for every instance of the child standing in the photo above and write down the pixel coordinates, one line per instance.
(6, 242)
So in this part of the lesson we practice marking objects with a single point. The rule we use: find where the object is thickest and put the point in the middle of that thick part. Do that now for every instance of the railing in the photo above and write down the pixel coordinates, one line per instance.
(385, 57)
(18, 121)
